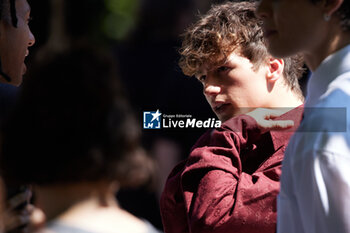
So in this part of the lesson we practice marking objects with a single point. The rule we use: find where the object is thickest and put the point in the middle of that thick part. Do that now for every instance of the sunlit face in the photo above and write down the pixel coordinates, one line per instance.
(292, 26)
(234, 88)
(14, 43)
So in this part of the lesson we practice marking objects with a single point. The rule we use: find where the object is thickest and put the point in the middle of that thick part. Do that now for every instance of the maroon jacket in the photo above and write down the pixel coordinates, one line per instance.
(230, 181)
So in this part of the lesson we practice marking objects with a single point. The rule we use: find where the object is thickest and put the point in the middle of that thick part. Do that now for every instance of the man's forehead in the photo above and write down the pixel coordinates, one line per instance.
(208, 66)
(211, 65)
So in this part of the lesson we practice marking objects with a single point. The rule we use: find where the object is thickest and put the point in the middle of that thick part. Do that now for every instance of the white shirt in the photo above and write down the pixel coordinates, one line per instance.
(315, 182)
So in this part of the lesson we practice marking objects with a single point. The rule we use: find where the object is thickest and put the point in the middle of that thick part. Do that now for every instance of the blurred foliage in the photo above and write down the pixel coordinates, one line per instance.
(121, 18)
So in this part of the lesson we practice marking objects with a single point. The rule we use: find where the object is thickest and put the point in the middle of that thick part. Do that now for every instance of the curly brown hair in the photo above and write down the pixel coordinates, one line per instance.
(228, 27)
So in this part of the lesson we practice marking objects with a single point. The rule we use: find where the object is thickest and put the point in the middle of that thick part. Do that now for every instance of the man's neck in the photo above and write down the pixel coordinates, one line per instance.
(334, 42)
(286, 99)
(54, 200)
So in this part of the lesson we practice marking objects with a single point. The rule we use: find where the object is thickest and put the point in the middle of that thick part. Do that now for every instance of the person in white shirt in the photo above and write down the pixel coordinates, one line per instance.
(315, 183)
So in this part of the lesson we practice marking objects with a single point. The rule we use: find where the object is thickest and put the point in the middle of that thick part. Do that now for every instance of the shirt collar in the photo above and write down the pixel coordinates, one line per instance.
(279, 138)
(331, 67)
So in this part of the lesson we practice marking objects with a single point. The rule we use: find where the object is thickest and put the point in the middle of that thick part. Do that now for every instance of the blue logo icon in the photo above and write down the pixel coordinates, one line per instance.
(151, 120)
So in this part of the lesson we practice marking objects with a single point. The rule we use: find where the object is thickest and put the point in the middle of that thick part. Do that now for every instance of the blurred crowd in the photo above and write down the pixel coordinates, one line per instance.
(126, 51)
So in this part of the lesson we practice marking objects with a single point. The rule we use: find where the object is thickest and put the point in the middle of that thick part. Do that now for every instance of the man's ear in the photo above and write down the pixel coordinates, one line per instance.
(275, 69)
(331, 6)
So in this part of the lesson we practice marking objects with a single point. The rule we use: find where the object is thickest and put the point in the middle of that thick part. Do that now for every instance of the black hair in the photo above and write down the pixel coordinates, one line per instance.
(5, 76)
(14, 21)
(71, 123)
(13, 12)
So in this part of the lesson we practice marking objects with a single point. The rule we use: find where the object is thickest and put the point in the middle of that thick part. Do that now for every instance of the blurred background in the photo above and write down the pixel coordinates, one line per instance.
(144, 36)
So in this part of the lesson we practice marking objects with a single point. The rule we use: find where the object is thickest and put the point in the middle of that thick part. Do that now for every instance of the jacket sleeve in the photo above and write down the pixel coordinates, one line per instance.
(172, 207)
(218, 196)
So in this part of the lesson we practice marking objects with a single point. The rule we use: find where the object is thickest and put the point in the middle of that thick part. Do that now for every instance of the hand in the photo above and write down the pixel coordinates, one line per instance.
(265, 119)
(13, 218)
(37, 219)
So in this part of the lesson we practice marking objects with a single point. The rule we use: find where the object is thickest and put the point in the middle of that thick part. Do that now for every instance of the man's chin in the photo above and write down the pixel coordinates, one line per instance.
(279, 51)
(232, 115)
(16, 80)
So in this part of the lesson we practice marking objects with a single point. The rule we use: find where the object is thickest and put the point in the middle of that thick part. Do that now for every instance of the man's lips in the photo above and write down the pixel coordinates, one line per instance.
(24, 70)
(219, 107)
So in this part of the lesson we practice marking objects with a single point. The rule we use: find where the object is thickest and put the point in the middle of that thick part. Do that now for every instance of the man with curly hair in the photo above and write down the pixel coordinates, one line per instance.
(230, 181)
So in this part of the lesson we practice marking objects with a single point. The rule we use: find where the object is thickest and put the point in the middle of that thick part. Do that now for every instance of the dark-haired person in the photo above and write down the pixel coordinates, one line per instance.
(74, 122)
(15, 38)
(315, 183)
(230, 181)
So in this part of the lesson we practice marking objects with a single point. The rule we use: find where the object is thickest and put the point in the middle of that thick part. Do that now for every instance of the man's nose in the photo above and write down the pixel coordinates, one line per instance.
(31, 39)
(211, 89)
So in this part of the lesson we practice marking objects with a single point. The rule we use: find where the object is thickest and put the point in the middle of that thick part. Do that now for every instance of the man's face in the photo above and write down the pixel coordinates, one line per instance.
(234, 88)
(14, 43)
(291, 26)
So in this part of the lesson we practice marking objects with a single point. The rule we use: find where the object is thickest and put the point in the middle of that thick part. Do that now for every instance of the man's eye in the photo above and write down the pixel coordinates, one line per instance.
(222, 69)
(202, 78)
